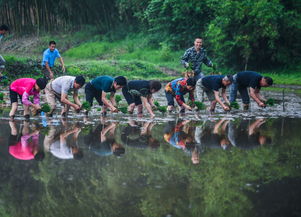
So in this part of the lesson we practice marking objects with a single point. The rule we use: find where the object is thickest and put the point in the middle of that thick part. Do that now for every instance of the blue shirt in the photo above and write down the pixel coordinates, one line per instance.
(248, 79)
(213, 82)
(50, 56)
(103, 83)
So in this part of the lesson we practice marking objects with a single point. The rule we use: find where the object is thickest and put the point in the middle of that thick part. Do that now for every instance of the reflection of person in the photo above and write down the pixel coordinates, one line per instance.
(140, 91)
(181, 136)
(216, 137)
(25, 149)
(196, 55)
(253, 80)
(177, 137)
(23, 88)
(98, 89)
(59, 88)
(139, 137)
(211, 85)
(56, 143)
(49, 57)
(177, 89)
(102, 140)
(248, 136)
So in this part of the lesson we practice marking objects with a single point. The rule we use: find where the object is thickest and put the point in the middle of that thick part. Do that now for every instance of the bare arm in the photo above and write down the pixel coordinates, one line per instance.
(218, 99)
(64, 99)
(259, 96)
(107, 102)
(76, 99)
(62, 64)
(49, 70)
(112, 99)
(147, 105)
(254, 96)
(224, 95)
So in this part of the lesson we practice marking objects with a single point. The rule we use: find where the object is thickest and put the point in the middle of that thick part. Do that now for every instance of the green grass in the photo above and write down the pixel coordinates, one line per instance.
(287, 79)
(91, 54)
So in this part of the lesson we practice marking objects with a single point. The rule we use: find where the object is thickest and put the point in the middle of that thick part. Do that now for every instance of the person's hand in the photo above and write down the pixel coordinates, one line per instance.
(76, 107)
(226, 108)
(261, 104)
(188, 107)
(51, 76)
(63, 68)
(36, 106)
(152, 115)
(115, 110)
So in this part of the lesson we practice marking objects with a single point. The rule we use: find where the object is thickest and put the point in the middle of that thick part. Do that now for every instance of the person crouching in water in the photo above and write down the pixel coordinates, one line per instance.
(23, 88)
(211, 85)
(177, 89)
(99, 87)
(59, 88)
(139, 93)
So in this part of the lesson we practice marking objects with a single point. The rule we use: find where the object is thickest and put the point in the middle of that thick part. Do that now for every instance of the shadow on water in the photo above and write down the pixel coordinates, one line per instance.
(215, 167)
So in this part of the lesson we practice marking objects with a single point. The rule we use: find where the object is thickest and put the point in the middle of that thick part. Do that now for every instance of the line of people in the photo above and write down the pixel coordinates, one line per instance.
(137, 93)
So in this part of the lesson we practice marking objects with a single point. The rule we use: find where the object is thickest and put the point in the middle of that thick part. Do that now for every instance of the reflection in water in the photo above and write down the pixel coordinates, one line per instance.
(102, 142)
(238, 163)
(138, 135)
(25, 147)
(56, 143)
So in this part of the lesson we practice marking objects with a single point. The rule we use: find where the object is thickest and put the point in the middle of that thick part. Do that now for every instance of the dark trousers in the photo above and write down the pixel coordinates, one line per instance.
(170, 98)
(14, 96)
(130, 98)
(92, 93)
(243, 93)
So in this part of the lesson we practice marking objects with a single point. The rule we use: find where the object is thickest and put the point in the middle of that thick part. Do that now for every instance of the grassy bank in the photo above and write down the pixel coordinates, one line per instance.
(134, 57)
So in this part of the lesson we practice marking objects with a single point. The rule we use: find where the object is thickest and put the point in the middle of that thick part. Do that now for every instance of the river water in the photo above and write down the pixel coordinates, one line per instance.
(197, 164)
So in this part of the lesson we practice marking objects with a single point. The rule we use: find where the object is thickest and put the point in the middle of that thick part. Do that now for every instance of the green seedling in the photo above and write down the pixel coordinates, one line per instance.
(156, 103)
(234, 105)
(45, 108)
(270, 102)
(123, 109)
(199, 105)
(86, 105)
(118, 98)
(162, 109)
(4, 82)
(1, 96)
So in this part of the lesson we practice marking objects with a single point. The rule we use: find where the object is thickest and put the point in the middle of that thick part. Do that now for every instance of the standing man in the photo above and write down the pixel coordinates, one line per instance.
(194, 57)
(98, 89)
(3, 30)
(59, 88)
(49, 57)
(211, 85)
(253, 80)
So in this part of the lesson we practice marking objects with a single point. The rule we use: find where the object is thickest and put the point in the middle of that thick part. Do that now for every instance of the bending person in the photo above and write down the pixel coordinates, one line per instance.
(177, 89)
(59, 88)
(211, 85)
(98, 89)
(23, 88)
(139, 93)
(253, 80)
